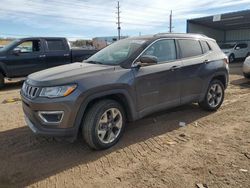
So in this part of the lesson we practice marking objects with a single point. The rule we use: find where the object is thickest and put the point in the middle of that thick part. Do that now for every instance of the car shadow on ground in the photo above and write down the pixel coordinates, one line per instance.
(26, 158)
(242, 82)
(235, 68)
(12, 86)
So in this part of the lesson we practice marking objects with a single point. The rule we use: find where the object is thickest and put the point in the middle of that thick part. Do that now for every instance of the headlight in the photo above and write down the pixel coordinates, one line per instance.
(57, 91)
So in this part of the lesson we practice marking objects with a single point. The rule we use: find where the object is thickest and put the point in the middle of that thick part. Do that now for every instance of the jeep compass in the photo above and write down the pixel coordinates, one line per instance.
(124, 82)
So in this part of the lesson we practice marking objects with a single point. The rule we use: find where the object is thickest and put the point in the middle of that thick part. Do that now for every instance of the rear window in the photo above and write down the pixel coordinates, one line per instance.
(205, 46)
(189, 48)
(56, 45)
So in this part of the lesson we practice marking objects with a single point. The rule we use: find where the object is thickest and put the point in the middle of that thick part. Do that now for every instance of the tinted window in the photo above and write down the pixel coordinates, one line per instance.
(205, 46)
(29, 46)
(227, 45)
(164, 50)
(242, 45)
(56, 45)
(190, 48)
(118, 52)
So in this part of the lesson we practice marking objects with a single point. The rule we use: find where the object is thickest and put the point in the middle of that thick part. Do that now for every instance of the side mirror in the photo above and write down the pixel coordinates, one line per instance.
(146, 60)
(237, 48)
(16, 51)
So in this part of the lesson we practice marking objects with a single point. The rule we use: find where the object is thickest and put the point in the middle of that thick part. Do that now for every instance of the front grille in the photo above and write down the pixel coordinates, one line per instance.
(29, 91)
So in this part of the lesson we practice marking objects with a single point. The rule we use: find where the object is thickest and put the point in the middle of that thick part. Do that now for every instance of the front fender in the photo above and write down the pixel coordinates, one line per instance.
(84, 100)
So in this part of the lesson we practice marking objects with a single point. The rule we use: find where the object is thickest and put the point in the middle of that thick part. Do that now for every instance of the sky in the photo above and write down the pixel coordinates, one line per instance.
(85, 19)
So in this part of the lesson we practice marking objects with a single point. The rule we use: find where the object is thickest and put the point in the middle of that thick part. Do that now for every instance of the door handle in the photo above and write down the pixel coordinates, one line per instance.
(42, 56)
(173, 68)
(207, 61)
(65, 55)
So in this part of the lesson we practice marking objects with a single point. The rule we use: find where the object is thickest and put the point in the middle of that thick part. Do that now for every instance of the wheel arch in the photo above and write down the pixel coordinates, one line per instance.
(120, 95)
(221, 76)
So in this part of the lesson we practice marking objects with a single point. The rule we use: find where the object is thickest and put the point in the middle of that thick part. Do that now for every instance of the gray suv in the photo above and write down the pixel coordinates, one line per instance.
(124, 82)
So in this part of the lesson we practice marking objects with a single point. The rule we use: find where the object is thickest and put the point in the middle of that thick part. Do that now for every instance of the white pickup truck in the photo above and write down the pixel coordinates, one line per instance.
(235, 50)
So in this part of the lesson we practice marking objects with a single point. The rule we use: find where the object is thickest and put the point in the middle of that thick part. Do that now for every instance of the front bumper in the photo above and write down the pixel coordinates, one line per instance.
(65, 128)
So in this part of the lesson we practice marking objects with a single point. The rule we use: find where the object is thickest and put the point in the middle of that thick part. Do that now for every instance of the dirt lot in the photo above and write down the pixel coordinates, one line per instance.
(213, 149)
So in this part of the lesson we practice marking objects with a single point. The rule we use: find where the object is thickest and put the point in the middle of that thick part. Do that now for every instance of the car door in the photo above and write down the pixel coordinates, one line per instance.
(26, 58)
(241, 50)
(57, 52)
(193, 62)
(158, 86)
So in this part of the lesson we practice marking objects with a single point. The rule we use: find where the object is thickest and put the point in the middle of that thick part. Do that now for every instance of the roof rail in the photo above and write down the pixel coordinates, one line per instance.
(160, 34)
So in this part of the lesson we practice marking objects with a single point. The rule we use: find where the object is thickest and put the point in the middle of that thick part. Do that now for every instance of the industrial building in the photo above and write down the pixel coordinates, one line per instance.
(228, 27)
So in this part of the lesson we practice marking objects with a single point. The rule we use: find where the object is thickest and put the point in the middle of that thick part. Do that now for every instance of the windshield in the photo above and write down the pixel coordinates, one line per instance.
(10, 45)
(227, 46)
(117, 52)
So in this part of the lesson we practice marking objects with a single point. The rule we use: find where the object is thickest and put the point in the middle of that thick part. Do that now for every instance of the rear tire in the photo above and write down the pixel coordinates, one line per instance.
(231, 58)
(1, 80)
(103, 124)
(214, 96)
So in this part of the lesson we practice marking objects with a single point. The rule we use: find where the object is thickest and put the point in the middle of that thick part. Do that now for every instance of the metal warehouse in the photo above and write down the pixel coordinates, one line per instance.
(228, 27)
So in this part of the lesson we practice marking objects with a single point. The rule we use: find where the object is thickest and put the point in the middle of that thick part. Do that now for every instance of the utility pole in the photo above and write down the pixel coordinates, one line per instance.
(170, 23)
(119, 20)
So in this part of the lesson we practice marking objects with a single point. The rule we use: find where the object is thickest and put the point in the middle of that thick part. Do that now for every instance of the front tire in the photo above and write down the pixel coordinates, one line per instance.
(231, 58)
(1, 80)
(214, 96)
(103, 124)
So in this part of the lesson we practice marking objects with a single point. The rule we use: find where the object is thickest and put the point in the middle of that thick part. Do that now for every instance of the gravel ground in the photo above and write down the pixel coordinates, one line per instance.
(213, 149)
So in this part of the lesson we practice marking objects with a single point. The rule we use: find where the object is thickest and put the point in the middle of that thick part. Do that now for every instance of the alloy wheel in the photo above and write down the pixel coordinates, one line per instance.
(109, 125)
(214, 96)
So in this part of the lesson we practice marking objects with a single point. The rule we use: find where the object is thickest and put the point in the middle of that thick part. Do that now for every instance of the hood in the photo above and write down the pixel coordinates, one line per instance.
(67, 73)
(226, 51)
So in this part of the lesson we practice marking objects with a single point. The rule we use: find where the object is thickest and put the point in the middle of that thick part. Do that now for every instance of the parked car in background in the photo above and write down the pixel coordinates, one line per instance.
(1, 46)
(246, 67)
(124, 82)
(236, 50)
(28, 55)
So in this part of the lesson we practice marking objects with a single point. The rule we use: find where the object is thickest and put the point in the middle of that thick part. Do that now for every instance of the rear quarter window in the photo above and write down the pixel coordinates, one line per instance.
(205, 46)
(189, 48)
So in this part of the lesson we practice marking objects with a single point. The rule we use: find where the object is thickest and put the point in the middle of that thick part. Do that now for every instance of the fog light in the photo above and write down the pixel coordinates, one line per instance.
(51, 117)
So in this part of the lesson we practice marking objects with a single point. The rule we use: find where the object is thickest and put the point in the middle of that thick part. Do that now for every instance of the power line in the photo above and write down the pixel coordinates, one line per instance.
(82, 19)
(118, 20)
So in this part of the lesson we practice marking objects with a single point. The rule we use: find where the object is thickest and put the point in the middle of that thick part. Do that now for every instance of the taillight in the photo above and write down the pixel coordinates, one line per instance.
(226, 61)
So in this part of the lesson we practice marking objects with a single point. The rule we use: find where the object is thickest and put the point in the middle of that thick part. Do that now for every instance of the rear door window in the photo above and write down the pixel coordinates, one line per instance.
(56, 45)
(189, 48)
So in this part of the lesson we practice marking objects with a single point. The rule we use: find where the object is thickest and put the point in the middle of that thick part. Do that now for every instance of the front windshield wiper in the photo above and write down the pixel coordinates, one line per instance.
(94, 62)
